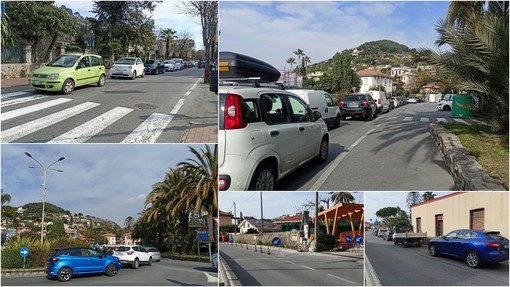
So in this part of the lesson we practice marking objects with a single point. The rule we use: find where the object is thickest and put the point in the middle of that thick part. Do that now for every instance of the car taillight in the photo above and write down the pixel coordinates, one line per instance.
(233, 114)
(365, 103)
(378, 101)
(342, 104)
(53, 260)
(130, 252)
(494, 244)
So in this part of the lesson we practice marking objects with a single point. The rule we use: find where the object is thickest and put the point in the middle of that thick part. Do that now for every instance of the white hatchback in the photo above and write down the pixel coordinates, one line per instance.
(127, 68)
(265, 134)
(445, 104)
(133, 255)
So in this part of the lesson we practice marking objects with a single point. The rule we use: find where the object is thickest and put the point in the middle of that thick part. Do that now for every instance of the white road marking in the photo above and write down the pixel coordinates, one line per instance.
(425, 120)
(210, 278)
(89, 129)
(442, 120)
(187, 93)
(8, 95)
(306, 267)
(33, 108)
(150, 129)
(408, 119)
(20, 131)
(334, 164)
(462, 121)
(21, 100)
(343, 279)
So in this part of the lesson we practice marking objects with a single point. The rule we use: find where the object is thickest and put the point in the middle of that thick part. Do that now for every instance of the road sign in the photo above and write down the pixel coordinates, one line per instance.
(358, 239)
(203, 236)
(2, 4)
(24, 252)
(348, 239)
(277, 241)
(231, 239)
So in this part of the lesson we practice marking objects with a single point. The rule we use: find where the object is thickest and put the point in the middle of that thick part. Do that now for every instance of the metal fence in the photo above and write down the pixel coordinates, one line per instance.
(13, 55)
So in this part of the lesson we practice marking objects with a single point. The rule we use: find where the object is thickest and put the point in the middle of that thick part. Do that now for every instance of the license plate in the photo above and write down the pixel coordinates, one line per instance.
(36, 82)
(353, 105)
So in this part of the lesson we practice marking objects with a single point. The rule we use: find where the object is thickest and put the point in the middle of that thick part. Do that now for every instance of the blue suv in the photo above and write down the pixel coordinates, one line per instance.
(64, 263)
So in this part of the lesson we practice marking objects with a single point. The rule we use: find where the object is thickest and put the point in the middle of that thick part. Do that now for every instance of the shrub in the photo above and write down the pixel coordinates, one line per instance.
(12, 259)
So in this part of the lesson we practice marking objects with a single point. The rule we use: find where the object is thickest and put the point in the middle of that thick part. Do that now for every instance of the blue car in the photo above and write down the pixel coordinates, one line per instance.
(64, 263)
(477, 247)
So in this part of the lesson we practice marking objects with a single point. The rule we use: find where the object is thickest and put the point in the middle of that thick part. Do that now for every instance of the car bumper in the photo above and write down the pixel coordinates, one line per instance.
(45, 85)
(496, 256)
(354, 113)
(121, 73)
(239, 174)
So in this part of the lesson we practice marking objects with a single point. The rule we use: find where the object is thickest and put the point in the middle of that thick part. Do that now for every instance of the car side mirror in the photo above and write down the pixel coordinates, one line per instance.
(316, 115)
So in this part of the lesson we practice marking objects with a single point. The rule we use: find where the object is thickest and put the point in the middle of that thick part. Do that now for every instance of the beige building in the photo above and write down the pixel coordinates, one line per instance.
(462, 210)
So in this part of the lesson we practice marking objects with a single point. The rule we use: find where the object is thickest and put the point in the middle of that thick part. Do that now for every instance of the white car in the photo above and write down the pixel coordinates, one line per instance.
(322, 102)
(153, 252)
(214, 260)
(128, 68)
(169, 65)
(445, 104)
(133, 255)
(179, 63)
(382, 101)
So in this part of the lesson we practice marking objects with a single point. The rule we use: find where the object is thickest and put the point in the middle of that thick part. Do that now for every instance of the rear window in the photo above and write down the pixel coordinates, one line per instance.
(495, 236)
(121, 248)
(351, 98)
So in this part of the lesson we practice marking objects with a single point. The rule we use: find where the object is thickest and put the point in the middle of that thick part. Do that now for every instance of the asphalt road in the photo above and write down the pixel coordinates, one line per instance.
(413, 266)
(164, 273)
(283, 268)
(395, 151)
(153, 109)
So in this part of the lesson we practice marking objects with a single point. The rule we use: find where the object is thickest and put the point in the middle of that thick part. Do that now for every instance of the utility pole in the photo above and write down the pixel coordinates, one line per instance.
(261, 215)
(316, 222)
(235, 219)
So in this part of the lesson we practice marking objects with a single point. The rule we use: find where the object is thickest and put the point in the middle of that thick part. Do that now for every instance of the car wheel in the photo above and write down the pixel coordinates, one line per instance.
(134, 75)
(101, 81)
(150, 261)
(64, 274)
(322, 157)
(447, 108)
(143, 73)
(112, 77)
(375, 114)
(156, 72)
(111, 270)
(369, 117)
(136, 264)
(337, 122)
(473, 259)
(432, 250)
(263, 179)
(68, 87)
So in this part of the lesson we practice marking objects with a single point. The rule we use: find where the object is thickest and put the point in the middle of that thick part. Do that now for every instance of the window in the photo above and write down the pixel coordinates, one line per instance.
(418, 224)
(439, 225)
(274, 109)
(300, 111)
(477, 219)
(329, 100)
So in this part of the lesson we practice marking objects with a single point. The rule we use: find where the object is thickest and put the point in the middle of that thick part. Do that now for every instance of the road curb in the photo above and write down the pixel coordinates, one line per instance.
(371, 278)
(225, 271)
(23, 272)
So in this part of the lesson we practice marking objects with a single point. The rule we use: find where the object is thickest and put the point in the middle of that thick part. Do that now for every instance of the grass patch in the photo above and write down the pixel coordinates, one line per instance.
(204, 257)
(490, 150)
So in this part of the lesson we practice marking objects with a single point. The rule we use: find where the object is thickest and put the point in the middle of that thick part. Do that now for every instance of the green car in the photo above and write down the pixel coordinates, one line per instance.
(68, 71)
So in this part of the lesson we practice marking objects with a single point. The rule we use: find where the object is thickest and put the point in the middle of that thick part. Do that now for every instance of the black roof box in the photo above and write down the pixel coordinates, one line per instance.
(236, 66)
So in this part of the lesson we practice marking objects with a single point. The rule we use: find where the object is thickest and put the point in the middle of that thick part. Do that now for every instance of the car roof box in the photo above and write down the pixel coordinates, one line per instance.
(236, 66)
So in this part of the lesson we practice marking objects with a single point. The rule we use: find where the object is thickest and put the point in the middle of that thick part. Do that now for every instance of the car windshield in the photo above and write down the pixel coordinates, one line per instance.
(149, 62)
(64, 61)
(126, 61)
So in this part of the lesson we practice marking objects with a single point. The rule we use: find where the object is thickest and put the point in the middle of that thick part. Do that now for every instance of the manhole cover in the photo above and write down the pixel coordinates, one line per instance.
(146, 106)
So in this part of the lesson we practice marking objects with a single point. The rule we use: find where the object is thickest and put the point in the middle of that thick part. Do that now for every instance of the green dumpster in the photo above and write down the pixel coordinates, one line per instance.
(463, 106)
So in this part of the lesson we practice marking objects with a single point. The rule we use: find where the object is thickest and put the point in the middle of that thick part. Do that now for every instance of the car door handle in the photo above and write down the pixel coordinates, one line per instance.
(274, 133)
(301, 129)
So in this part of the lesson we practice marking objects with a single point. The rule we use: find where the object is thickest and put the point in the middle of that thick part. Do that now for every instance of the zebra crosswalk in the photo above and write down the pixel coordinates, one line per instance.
(90, 120)
(436, 120)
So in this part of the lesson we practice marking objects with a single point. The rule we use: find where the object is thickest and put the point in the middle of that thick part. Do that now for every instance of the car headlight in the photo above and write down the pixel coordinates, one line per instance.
(52, 76)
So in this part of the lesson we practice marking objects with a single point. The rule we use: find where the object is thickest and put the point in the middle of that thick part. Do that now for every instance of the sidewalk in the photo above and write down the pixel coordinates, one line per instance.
(9, 83)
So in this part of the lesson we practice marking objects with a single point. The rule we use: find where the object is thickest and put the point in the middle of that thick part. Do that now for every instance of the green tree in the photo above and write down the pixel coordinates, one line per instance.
(341, 71)
(291, 61)
(59, 23)
(426, 196)
(341, 197)
(477, 33)
(299, 53)
(168, 35)
(387, 212)
(128, 223)
(56, 230)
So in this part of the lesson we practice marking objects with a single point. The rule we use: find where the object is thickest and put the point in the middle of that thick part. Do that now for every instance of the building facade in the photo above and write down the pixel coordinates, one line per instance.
(462, 210)
(372, 77)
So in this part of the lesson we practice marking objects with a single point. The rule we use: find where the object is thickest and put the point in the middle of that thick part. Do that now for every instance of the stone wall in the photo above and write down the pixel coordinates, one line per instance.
(290, 239)
(13, 71)
(467, 173)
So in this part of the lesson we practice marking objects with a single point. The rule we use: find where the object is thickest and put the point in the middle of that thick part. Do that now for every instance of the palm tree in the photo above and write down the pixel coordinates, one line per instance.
(128, 223)
(306, 61)
(6, 198)
(341, 197)
(299, 53)
(291, 61)
(168, 35)
(478, 58)
(426, 196)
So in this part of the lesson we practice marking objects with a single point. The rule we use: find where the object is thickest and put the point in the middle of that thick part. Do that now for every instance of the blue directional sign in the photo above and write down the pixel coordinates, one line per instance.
(231, 239)
(276, 241)
(358, 239)
(203, 236)
(24, 252)
(348, 239)
(2, 8)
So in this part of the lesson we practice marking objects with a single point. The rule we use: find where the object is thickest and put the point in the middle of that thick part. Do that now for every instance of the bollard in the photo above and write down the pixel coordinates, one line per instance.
(255, 247)
(246, 246)
(236, 244)
(260, 249)
(268, 253)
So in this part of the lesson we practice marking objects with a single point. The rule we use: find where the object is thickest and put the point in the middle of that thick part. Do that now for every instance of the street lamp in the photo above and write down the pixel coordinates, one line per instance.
(45, 171)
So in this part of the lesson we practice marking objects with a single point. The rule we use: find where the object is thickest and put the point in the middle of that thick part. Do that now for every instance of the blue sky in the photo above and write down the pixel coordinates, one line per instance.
(274, 203)
(166, 15)
(271, 31)
(103, 180)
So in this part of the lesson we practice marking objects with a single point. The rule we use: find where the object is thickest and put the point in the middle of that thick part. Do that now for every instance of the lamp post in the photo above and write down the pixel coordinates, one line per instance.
(45, 171)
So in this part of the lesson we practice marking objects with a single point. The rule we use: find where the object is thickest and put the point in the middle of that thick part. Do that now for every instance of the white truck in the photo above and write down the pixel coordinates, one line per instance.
(406, 238)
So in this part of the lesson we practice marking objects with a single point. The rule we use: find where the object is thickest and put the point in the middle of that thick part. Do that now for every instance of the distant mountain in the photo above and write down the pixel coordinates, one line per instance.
(384, 46)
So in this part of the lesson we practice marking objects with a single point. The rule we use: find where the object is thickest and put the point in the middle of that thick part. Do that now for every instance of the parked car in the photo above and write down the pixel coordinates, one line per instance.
(153, 252)
(388, 235)
(264, 133)
(396, 102)
(382, 101)
(412, 100)
(179, 63)
(128, 67)
(154, 67)
(68, 71)
(445, 104)
(358, 105)
(133, 255)
(381, 231)
(322, 102)
(65, 262)
(476, 247)
(169, 65)
(214, 260)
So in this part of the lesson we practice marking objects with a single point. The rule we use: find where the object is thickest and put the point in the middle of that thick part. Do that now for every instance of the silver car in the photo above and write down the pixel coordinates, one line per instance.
(154, 252)
(127, 68)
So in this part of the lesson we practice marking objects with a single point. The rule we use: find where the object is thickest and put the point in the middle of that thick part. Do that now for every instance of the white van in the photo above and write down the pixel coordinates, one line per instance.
(179, 63)
(383, 103)
(322, 102)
